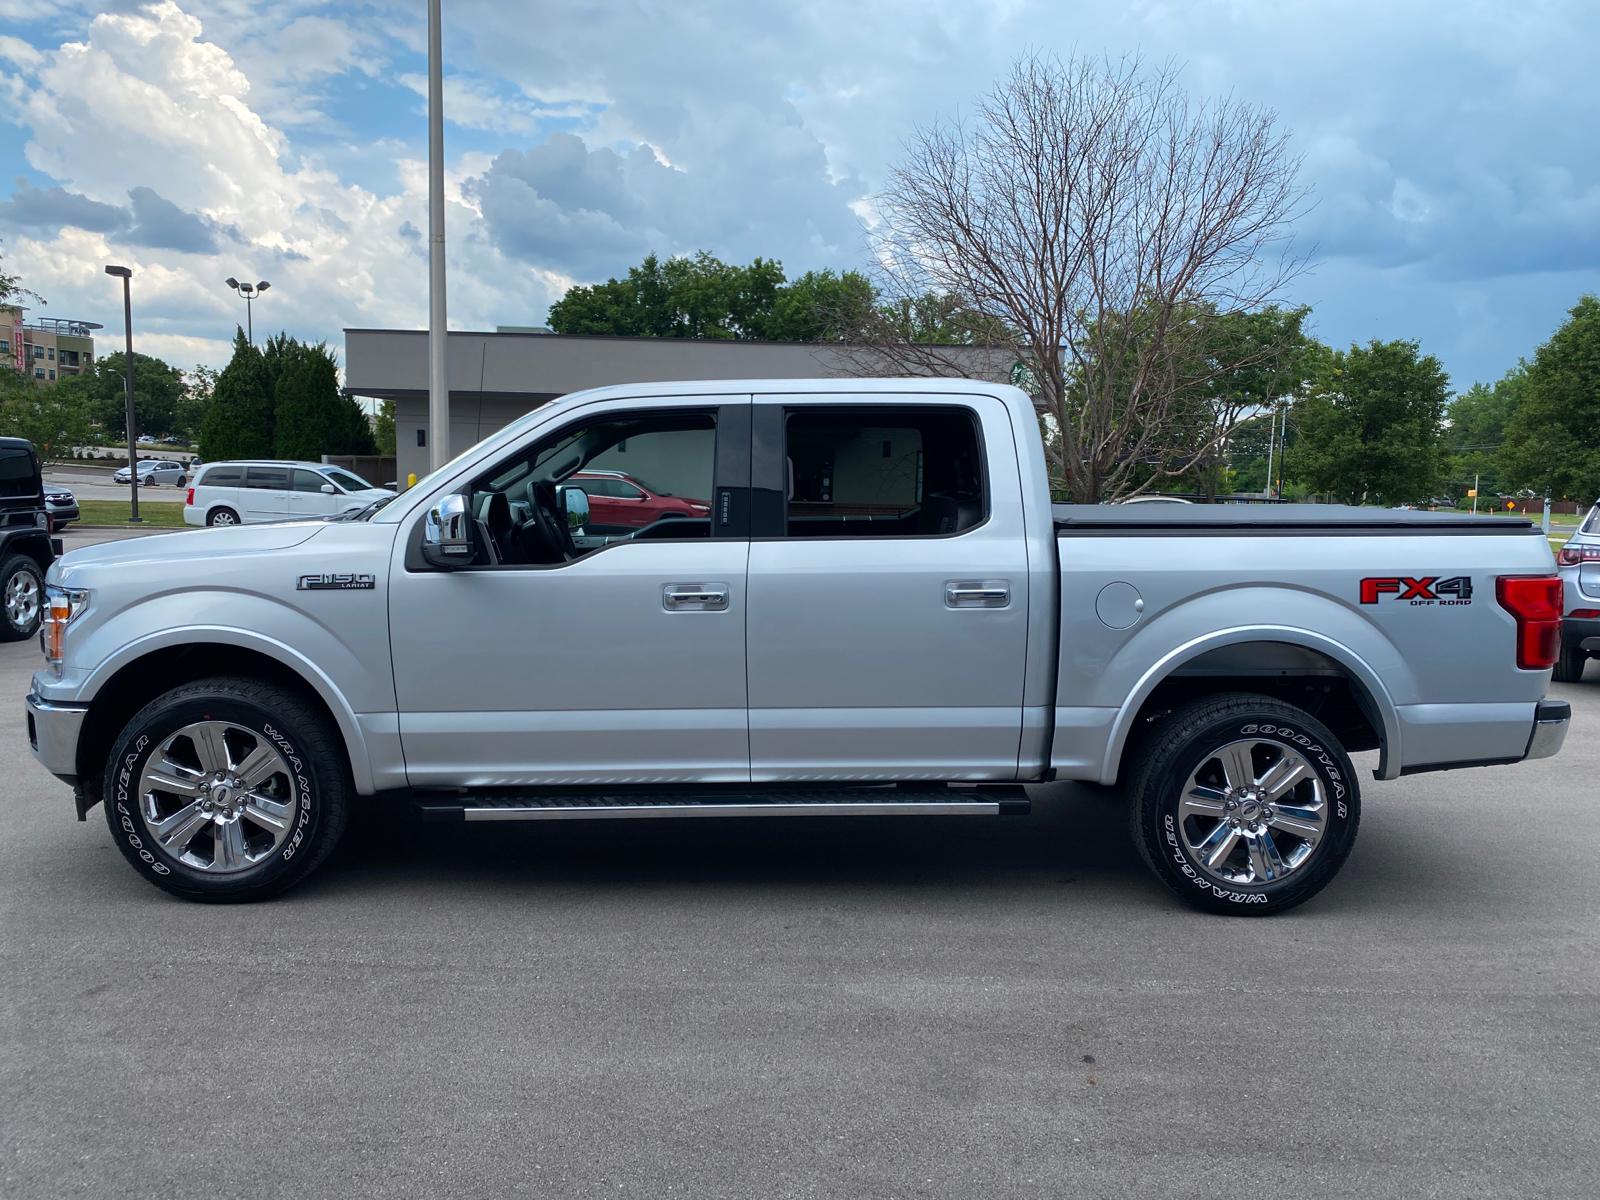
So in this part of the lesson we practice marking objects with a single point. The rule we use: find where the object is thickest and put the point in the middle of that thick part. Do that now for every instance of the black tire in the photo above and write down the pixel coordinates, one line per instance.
(231, 517)
(310, 747)
(1569, 664)
(21, 598)
(1183, 743)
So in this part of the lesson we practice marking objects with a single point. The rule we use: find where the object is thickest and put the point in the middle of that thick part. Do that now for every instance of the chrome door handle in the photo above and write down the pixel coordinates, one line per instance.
(695, 597)
(977, 593)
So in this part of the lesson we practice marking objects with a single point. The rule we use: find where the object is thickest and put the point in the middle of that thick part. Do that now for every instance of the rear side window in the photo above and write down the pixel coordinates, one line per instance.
(17, 474)
(1592, 525)
(267, 478)
(893, 472)
(221, 477)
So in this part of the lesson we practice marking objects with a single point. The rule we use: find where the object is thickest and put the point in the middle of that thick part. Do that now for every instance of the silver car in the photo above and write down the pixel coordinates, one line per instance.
(1579, 563)
(156, 471)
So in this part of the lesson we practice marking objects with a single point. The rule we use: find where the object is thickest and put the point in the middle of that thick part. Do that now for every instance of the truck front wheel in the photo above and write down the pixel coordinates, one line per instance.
(227, 790)
(1243, 804)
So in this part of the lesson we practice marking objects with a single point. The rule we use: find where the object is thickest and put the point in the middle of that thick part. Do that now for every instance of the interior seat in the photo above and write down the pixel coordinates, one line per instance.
(496, 525)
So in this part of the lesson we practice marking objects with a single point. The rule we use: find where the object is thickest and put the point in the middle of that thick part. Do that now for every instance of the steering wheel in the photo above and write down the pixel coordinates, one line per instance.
(548, 525)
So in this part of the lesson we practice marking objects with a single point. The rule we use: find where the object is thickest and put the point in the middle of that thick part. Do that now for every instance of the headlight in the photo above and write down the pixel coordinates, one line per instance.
(61, 608)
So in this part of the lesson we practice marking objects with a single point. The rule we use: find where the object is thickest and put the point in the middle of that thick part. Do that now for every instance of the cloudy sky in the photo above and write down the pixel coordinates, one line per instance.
(1450, 146)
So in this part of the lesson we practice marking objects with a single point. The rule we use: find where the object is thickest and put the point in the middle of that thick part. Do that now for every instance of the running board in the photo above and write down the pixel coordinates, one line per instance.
(841, 802)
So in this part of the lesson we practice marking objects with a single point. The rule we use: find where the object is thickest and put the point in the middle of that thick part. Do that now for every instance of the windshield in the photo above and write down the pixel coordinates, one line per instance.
(349, 482)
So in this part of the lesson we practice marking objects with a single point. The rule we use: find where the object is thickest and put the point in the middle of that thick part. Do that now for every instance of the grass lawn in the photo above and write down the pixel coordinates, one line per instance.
(115, 512)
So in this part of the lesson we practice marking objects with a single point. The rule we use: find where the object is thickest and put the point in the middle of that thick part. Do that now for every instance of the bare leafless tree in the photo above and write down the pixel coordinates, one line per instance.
(1105, 222)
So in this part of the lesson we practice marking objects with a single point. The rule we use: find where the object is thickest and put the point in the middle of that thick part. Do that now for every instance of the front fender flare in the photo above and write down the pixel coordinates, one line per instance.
(350, 729)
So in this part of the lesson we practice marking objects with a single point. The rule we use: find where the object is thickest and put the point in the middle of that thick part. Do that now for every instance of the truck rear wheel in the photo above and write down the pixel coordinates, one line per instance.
(22, 595)
(1243, 804)
(227, 790)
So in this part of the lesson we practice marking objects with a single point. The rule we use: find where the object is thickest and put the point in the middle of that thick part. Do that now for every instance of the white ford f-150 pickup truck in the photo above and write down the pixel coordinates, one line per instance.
(879, 613)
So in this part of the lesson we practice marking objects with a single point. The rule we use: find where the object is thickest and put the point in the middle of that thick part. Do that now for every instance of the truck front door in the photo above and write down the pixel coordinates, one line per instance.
(888, 589)
(624, 664)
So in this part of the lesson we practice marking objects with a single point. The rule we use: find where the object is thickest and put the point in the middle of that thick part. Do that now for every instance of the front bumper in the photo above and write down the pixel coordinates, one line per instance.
(53, 732)
(1550, 721)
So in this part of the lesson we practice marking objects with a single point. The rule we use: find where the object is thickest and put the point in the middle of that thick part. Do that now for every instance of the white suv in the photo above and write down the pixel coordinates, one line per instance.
(248, 493)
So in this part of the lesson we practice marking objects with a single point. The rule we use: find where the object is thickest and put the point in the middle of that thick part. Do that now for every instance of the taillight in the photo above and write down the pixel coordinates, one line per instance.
(190, 499)
(1570, 555)
(1535, 601)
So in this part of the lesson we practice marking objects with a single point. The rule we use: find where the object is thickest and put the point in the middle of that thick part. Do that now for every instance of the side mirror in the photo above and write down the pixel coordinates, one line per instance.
(447, 540)
(329, 490)
(576, 502)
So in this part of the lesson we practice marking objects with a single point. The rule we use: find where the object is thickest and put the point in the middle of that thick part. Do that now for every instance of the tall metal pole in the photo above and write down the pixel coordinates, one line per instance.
(249, 322)
(1272, 438)
(438, 377)
(127, 387)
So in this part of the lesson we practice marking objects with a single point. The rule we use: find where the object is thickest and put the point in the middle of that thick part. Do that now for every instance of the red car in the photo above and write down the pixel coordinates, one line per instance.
(619, 501)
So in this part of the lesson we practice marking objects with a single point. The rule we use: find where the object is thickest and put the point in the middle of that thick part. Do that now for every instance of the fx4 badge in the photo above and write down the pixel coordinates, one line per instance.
(1429, 589)
(339, 581)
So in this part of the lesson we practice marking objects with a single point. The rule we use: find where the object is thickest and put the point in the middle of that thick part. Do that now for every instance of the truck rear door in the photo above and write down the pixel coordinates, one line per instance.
(888, 588)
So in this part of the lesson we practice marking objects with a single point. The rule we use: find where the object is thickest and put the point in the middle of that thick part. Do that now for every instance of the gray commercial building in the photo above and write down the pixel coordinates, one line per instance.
(497, 377)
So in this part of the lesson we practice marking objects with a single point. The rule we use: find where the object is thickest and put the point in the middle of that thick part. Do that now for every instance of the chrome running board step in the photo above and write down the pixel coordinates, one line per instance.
(921, 801)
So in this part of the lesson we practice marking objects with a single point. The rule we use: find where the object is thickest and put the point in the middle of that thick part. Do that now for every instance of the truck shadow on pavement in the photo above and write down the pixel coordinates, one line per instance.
(1076, 840)
(1073, 835)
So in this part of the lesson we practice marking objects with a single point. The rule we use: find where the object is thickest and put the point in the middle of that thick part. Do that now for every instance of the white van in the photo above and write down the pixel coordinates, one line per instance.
(249, 493)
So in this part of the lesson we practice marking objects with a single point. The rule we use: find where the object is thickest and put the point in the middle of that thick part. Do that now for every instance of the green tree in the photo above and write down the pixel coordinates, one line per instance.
(383, 427)
(313, 419)
(821, 307)
(240, 419)
(45, 416)
(158, 389)
(11, 289)
(1476, 432)
(198, 386)
(1552, 439)
(703, 297)
(1370, 424)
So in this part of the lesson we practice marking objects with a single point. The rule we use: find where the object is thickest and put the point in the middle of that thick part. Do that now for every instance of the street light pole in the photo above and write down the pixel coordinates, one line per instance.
(438, 339)
(126, 275)
(249, 291)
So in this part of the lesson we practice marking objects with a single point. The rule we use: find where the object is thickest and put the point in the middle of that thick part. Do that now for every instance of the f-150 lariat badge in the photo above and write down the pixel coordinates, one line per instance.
(338, 581)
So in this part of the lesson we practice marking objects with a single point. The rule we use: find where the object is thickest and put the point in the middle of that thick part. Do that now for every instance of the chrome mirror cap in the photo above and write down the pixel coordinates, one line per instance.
(447, 533)
(576, 502)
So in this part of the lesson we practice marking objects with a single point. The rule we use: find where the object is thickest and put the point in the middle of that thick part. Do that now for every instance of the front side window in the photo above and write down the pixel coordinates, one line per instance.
(308, 481)
(520, 507)
(890, 472)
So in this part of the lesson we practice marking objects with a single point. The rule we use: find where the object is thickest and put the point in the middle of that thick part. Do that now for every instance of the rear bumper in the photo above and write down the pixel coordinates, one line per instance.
(1583, 632)
(53, 732)
(1550, 721)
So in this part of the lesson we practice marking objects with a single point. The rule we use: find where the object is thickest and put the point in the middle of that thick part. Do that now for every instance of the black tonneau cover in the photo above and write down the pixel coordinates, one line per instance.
(1324, 520)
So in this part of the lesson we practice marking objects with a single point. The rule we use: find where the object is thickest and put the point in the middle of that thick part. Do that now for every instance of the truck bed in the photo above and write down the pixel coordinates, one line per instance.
(1327, 520)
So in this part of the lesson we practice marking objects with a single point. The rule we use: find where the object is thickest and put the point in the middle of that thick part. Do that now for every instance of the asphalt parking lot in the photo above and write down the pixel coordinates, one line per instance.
(818, 1009)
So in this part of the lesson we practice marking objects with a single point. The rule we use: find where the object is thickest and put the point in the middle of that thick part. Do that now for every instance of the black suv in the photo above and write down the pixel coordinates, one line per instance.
(26, 547)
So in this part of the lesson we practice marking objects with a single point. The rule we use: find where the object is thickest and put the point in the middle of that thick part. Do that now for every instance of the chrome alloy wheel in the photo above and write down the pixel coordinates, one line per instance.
(1252, 812)
(223, 518)
(22, 599)
(218, 797)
